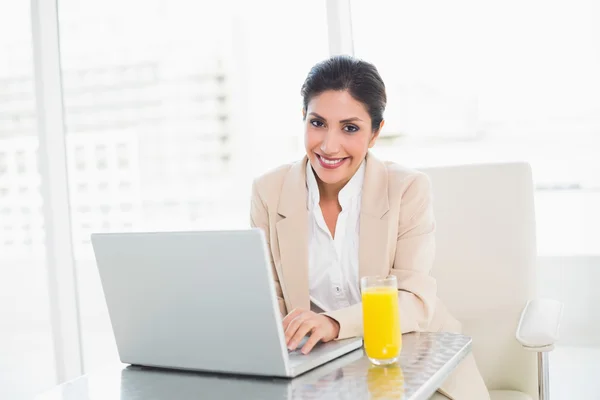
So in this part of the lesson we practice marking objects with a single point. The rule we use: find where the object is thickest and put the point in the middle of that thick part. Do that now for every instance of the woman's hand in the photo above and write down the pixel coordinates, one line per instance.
(300, 323)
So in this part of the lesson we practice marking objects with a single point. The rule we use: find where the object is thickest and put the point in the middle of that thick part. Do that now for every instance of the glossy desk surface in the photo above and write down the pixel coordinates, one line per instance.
(425, 362)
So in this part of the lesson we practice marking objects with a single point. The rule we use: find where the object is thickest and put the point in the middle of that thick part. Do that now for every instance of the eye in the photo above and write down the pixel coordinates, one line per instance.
(351, 128)
(317, 123)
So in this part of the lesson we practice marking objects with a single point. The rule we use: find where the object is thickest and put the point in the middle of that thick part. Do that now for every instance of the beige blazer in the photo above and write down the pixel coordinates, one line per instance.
(396, 237)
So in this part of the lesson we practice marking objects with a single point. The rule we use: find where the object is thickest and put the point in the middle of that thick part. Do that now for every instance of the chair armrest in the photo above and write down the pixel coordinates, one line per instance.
(539, 323)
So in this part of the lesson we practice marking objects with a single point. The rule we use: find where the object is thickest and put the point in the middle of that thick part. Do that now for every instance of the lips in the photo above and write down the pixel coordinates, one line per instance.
(331, 163)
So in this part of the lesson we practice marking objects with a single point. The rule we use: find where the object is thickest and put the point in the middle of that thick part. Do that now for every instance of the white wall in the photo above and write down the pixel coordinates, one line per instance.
(574, 281)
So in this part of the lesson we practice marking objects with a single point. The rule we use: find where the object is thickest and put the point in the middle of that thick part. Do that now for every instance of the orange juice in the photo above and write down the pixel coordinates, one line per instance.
(381, 322)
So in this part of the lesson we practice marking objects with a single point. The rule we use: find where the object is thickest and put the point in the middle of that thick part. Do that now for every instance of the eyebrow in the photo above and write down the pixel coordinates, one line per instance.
(342, 121)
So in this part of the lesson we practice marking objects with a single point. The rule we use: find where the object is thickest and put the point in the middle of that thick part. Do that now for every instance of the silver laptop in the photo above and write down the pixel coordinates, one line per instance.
(200, 301)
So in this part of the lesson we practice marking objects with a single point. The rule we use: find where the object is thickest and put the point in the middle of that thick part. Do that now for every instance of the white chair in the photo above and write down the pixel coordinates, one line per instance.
(486, 272)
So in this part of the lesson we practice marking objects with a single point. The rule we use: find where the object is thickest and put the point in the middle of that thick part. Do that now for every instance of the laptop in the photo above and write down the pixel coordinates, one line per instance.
(200, 301)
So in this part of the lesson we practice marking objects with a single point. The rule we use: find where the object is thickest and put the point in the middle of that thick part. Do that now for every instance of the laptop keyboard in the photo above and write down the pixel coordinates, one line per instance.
(321, 350)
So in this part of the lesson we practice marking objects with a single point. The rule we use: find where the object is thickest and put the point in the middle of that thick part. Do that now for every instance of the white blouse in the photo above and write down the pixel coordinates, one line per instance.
(333, 262)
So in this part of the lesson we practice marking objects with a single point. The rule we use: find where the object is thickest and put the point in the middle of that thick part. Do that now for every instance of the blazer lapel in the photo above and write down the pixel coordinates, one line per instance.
(374, 224)
(292, 234)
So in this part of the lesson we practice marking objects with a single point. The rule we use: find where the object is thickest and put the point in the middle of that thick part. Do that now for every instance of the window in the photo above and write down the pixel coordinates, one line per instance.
(103, 187)
(475, 81)
(27, 364)
(20, 161)
(101, 157)
(80, 158)
(172, 88)
(84, 209)
(123, 156)
(123, 163)
(124, 186)
(3, 166)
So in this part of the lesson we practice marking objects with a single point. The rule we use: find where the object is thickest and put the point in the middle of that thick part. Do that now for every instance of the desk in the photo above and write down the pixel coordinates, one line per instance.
(425, 362)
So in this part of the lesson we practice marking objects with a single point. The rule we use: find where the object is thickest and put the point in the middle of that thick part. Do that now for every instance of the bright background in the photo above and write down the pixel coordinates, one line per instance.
(170, 108)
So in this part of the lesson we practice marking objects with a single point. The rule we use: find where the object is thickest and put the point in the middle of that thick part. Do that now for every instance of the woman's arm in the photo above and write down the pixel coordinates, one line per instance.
(414, 255)
(259, 218)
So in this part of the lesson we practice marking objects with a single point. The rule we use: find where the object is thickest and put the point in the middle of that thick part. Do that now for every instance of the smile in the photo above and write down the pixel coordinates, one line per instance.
(330, 163)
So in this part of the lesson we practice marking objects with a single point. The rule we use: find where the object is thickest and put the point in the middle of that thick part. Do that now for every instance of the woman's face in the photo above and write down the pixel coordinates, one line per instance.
(338, 134)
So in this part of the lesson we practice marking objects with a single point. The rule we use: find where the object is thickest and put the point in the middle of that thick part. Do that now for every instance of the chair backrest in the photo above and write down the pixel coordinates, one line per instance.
(486, 261)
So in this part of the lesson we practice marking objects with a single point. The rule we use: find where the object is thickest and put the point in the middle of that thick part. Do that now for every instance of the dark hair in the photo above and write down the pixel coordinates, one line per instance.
(343, 72)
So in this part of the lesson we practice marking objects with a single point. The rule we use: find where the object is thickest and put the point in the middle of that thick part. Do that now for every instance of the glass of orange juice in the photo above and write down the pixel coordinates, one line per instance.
(381, 321)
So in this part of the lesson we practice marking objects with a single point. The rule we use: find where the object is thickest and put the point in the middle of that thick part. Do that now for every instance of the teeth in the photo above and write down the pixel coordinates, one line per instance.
(331, 162)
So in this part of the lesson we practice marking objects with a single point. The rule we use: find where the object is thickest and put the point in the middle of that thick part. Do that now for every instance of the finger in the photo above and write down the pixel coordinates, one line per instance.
(294, 325)
(315, 337)
(291, 316)
(304, 328)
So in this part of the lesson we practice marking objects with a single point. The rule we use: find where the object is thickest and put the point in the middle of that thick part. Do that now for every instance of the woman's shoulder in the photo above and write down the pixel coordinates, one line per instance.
(407, 186)
(403, 176)
(274, 176)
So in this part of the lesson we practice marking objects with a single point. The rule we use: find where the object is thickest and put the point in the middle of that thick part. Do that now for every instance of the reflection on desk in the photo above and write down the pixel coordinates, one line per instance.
(146, 383)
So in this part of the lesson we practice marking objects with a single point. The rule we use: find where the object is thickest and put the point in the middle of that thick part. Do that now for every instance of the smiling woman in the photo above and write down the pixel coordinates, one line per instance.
(340, 214)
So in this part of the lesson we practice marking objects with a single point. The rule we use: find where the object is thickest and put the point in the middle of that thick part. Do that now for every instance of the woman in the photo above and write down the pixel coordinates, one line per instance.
(340, 214)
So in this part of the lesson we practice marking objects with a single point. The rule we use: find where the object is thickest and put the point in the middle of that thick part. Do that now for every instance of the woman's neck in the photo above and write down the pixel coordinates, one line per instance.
(329, 192)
